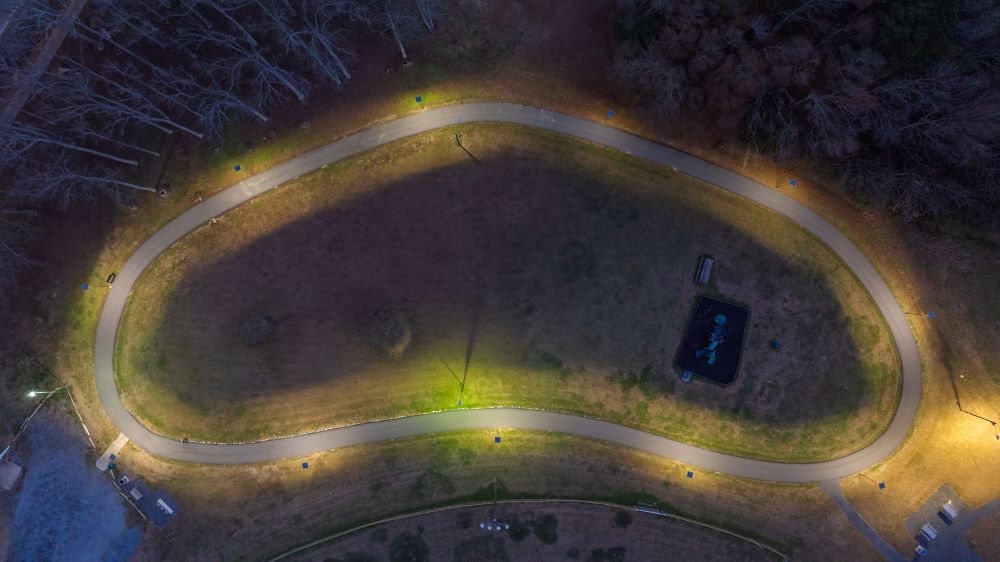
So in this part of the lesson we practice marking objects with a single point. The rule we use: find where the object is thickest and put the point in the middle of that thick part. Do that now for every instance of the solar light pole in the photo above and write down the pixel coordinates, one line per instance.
(493, 524)
(35, 393)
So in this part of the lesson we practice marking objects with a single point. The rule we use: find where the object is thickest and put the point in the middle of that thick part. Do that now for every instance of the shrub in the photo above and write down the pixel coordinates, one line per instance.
(391, 331)
(409, 547)
(623, 519)
(518, 530)
(546, 528)
(481, 549)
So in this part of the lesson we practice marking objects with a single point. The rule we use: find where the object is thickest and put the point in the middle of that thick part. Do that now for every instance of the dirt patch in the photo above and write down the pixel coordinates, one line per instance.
(478, 258)
(552, 531)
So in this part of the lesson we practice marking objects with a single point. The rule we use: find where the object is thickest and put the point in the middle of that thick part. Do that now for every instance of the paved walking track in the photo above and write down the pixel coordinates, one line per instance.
(114, 306)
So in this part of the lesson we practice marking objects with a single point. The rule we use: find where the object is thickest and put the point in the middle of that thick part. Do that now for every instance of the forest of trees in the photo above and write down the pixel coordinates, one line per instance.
(76, 121)
(897, 101)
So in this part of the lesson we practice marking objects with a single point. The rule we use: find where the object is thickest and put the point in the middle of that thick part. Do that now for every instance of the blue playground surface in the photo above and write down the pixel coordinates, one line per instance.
(714, 340)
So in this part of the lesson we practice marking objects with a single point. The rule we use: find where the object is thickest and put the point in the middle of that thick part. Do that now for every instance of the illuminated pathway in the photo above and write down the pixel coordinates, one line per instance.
(114, 306)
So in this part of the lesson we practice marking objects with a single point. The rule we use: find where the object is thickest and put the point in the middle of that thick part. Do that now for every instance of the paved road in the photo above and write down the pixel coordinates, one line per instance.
(508, 418)
(832, 489)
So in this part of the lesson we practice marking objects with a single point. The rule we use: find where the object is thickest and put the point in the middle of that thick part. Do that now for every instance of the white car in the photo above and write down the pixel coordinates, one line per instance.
(949, 512)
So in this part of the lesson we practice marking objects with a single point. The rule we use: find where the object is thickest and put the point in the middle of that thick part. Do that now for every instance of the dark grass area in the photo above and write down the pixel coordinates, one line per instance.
(546, 275)
(704, 323)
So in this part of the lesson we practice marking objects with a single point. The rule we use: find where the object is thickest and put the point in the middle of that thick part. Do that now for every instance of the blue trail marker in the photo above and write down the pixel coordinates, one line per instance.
(690, 474)
(419, 99)
(793, 182)
(305, 466)
(496, 439)
(86, 286)
(881, 485)
(932, 315)
(611, 113)
(236, 167)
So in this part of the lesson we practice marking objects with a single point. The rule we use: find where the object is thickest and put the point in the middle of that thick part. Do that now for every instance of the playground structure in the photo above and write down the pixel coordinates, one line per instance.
(715, 338)
(713, 343)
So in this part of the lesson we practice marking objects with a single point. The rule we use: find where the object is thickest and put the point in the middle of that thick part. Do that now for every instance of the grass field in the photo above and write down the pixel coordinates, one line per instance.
(254, 512)
(547, 272)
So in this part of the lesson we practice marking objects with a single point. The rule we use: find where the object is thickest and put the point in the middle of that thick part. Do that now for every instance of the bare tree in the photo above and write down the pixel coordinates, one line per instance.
(224, 11)
(860, 66)
(771, 125)
(61, 179)
(814, 12)
(650, 71)
(240, 62)
(113, 104)
(430, 10)
(400, 20)
(14, 227)
(832, 129)
(21, 137)
(314, 42)
(220, 105)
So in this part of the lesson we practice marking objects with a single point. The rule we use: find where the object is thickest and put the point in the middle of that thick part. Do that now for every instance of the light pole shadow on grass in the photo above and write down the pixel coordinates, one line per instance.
(947, 357)
(477, 309)
(458, 141)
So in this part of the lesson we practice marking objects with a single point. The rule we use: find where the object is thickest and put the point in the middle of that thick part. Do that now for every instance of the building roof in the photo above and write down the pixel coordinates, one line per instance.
(159, 507)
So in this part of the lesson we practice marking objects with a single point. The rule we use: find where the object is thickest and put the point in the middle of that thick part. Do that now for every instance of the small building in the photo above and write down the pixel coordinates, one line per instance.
(159, 507)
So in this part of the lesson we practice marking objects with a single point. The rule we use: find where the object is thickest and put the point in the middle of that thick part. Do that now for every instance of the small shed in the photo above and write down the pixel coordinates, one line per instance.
(158, 506)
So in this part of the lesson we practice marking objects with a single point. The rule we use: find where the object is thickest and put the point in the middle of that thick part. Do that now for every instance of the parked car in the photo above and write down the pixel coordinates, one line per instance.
(948, 513)
(929, 532)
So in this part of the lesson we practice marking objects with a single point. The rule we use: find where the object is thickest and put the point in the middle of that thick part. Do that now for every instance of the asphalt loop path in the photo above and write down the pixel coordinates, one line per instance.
(114, 306)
